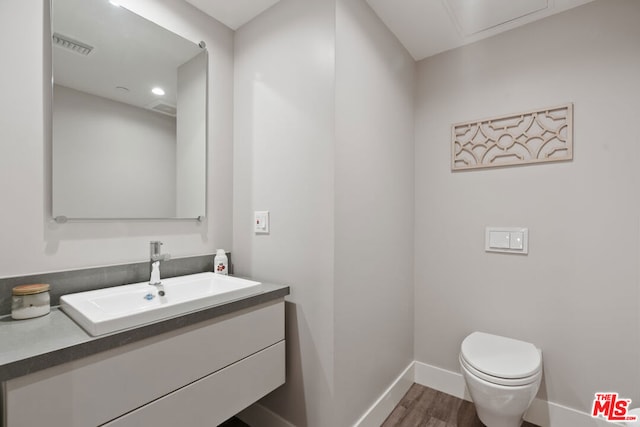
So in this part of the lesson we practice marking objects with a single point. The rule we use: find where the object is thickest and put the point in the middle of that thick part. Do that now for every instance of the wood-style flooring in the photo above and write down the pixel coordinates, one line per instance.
(422, 407)
(426, 407)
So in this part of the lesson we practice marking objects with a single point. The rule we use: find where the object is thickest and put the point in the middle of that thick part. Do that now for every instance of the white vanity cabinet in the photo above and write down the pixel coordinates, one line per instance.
(198, 375)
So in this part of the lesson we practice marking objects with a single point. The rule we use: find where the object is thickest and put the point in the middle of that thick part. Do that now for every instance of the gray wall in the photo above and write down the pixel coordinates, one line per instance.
(30, 242)
(576, 294)
(324, 141)
(191, 154)
(284, 163)
(98, 173)
(373, 297)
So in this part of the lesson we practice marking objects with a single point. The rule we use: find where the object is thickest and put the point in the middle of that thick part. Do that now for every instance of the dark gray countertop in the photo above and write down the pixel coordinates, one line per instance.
(31, 345)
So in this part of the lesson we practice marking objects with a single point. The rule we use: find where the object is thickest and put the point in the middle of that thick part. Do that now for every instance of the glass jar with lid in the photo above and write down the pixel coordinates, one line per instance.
(30, 301)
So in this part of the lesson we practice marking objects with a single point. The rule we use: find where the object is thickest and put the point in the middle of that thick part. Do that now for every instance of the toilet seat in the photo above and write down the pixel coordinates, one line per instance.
(500, 360)
(506, 382)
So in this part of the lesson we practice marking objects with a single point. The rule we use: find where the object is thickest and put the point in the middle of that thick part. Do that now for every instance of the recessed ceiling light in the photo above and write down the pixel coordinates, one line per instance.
(158, 91)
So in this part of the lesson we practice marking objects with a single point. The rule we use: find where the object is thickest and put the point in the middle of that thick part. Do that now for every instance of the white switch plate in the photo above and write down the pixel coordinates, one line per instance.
(511, 240)
(499, 239)
(261, 222)
(516, 240)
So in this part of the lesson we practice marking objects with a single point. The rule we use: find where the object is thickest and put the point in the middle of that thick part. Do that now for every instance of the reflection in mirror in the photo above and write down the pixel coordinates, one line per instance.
(129, 116)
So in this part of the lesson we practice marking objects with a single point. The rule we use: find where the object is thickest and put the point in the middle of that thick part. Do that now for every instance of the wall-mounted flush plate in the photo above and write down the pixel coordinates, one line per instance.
(513, 240)
(261, 222)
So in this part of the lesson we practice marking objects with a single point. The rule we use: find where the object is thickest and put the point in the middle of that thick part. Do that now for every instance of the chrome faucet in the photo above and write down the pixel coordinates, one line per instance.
(156, 256)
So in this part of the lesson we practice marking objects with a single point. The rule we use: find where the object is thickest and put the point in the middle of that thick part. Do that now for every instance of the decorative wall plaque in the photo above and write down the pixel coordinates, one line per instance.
(516, 139)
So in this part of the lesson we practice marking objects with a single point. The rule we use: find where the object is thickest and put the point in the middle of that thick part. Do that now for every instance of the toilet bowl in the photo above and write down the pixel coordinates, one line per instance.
(503, 376)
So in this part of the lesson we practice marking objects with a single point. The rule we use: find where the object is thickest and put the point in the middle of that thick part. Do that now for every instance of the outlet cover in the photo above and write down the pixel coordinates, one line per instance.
(261, 222)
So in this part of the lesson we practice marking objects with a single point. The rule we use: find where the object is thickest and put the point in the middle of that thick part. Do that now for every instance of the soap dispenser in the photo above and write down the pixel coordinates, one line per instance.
(221, 263)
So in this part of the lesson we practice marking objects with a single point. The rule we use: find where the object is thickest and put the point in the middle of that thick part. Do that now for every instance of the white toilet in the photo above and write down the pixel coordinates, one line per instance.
(503, 376)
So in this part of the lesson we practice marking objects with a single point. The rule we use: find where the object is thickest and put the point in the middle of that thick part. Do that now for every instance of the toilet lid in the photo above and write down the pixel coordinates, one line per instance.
(501, 357)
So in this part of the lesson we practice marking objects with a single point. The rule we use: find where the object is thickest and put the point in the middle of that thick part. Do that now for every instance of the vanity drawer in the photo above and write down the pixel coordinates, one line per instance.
(215, 398)
(102, 387)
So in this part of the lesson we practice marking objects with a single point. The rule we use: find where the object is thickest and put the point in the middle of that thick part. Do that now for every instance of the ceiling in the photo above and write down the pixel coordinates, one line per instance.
(428, 27)
(233, 13)
(424, 27)
(130, 55)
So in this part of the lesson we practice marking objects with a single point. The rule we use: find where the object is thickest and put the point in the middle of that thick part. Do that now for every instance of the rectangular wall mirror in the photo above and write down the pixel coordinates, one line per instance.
(129, 116)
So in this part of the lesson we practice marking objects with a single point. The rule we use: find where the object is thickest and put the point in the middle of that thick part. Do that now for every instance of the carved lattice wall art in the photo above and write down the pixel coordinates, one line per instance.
(531, 137)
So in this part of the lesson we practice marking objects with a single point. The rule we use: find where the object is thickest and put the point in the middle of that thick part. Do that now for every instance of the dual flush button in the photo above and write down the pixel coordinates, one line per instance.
(507, 240)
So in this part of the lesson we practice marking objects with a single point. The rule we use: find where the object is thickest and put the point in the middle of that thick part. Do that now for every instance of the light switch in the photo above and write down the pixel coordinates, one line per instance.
(499, 239)
(513, 240)
(516, 240)
(261, 222)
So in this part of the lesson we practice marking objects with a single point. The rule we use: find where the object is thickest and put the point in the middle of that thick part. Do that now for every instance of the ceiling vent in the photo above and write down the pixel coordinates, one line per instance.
(71, 44)
(475, 16)
(164, 108)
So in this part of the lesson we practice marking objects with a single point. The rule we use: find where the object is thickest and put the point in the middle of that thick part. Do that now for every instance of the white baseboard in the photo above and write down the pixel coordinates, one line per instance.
(380, 410)
(551, 414)
(541, 412)
(442, 380)
(258, 415)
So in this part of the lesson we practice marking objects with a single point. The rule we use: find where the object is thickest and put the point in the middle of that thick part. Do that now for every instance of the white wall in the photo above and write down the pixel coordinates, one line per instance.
(576, 294)
(30, 243)
(324, 141)
(191, 154)
(373, 294)
(297, 155)
(284, 163)
(111, 159)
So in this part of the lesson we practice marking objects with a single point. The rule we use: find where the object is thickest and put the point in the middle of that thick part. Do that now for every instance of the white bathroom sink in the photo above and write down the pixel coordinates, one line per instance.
(112, 309)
